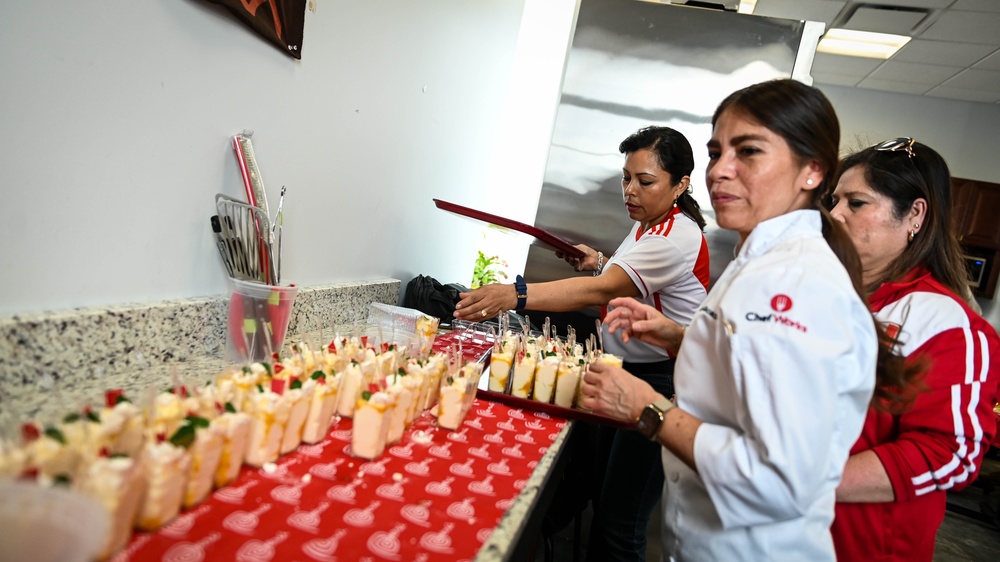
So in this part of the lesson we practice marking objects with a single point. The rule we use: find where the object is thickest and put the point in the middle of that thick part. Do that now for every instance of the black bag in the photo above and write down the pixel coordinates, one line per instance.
(429, 296)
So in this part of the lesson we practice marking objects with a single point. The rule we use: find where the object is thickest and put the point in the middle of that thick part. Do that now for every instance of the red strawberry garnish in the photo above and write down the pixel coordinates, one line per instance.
(30, 473)
(161, 437)
(364, 341)
(274, 357)
(385, 347)
(103, 452)
(278, 386)
(30, 432)
(278, 367)
(332, 348)
(373, 388)
(111, 397)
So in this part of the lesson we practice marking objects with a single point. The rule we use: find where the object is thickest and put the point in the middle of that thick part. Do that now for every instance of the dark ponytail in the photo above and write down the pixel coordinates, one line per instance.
(804, 117)
(691, 208)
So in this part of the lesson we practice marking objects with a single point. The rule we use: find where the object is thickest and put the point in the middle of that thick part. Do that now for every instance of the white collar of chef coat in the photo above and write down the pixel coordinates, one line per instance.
(769, 233)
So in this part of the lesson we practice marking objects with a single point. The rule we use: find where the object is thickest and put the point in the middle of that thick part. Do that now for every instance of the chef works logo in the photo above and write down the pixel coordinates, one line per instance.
(779, 304)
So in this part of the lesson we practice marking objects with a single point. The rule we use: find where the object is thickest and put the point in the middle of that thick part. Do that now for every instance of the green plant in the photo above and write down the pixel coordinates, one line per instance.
(487, 270)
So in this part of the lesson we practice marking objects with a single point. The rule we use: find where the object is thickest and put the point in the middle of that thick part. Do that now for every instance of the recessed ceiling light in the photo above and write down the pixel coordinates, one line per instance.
(853, 43)
(747, 6)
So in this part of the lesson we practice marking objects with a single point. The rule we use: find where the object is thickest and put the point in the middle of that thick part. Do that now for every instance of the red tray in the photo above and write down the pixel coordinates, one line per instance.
(552, 409)
(544, 237)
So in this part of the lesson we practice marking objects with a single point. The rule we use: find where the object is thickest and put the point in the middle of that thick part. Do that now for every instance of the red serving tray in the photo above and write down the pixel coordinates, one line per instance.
(552, 409)
(545, 238)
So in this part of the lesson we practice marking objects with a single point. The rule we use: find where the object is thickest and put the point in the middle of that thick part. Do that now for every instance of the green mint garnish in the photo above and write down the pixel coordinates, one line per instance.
(267, 367)
(366, 395)
(70, 418)
(117, 456)
(318, 375)
(197, 421)
(55, 434)
(451, 380)
(62, 480)
(246, 370)
(230, 408)
(121, 398)
(296, 384)
(184, 436)
(260, 388)
(92, 416)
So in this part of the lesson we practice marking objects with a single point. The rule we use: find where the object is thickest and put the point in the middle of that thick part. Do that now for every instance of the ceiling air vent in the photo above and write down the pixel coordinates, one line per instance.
(897, 20)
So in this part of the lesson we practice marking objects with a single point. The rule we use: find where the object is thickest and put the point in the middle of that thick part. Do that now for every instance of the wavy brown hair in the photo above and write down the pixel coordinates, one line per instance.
(804, 117)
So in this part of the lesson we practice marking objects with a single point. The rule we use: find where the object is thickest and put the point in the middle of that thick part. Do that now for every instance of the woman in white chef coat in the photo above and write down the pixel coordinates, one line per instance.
(778, 366)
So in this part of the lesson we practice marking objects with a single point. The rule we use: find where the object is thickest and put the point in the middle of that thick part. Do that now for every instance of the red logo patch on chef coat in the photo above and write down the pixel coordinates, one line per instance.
(781, 303)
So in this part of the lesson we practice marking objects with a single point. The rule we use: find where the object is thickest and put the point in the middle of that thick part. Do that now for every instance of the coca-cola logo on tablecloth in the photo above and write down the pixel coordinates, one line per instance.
(436, 498)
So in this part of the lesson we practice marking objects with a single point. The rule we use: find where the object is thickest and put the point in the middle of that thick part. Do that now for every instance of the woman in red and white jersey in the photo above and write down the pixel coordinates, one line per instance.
(664, 263)
(894, 200)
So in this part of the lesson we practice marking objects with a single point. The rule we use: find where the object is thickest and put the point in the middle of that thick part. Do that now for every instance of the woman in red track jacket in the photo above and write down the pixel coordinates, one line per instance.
(894, 199)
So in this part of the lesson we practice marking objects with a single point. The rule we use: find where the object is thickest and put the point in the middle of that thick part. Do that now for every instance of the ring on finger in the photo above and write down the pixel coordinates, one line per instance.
(483, 313)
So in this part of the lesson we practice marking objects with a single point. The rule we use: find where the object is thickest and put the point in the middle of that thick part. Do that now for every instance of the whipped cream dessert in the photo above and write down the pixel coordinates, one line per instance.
(205, 453)
(371, 424)
(118, 484)
(322, 407)
(299, 397)
(545, 378)
(235, 430)
(167, 468)
(269, 412)
(567, 381)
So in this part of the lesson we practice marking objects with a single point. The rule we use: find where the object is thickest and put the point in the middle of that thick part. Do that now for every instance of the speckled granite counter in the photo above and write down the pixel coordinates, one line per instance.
(63, 357)
(52, 359)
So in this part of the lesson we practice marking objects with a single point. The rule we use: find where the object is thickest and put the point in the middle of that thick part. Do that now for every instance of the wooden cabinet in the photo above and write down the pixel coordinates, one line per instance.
(976, 212)
(976, 215)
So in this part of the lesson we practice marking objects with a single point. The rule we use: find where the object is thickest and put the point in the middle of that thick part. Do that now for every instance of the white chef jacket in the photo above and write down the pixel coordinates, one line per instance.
(668, 263)
(779, 364)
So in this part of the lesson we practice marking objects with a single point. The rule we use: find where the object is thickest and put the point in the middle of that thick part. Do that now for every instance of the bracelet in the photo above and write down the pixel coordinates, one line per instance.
(600, 263)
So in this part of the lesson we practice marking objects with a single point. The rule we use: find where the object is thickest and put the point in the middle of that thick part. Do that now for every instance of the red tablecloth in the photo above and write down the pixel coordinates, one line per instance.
(438, 500)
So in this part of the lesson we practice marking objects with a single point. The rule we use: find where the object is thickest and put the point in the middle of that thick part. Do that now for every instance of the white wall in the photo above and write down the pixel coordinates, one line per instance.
(115, 126)
(966, 134)
(115, 120)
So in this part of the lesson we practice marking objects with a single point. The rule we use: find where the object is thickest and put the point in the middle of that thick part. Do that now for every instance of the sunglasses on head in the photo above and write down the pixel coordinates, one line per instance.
(894, 145)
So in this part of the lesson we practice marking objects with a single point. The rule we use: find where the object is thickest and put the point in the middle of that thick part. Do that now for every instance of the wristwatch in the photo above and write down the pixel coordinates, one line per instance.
(651, 418)
(522, 292)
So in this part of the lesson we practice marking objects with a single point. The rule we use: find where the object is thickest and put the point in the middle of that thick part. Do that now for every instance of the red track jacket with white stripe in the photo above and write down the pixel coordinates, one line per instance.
(938, 444)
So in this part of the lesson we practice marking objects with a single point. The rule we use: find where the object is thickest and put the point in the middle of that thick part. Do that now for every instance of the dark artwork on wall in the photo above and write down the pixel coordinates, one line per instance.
(278, 21)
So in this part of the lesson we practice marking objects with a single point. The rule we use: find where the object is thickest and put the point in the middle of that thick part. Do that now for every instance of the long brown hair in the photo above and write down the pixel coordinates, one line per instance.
(804, 117)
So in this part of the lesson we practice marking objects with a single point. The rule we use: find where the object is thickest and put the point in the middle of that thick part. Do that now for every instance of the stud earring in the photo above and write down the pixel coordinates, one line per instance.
(809, 182)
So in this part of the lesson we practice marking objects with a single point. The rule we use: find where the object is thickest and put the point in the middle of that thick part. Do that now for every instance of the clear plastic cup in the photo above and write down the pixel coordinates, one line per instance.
(258, 320)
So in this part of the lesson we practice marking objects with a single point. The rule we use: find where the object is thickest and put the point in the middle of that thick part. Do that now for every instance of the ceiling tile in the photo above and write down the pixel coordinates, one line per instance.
(916, 73)
(893, 86)
(850, 66)
(973, 79)
(991, 62)
(977, 5)
(970, 27)
(884, 21)
(942, 52)
(835, 79)
(812, 10)
(965, 95)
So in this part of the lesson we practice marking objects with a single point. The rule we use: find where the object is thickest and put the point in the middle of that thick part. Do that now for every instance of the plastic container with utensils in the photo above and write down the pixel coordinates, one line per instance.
(258, 320)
